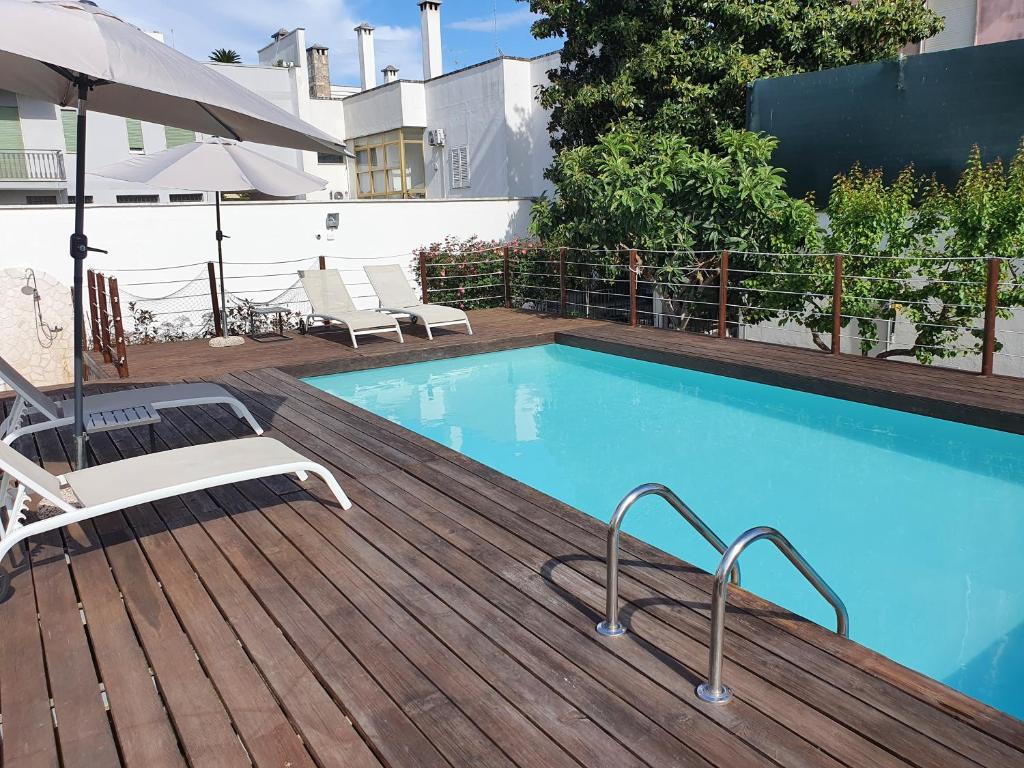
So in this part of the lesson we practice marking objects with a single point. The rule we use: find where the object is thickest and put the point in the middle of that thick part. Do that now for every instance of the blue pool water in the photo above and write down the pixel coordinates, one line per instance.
(917, 523)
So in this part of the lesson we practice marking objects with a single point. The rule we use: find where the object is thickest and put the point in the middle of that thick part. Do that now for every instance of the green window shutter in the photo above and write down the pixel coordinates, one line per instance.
(10, 129)
(178, 136)
(135, 143)
(69, 118)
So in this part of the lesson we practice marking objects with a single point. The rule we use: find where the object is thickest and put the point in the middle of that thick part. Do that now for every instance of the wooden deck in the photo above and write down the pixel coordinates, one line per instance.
(446, 620)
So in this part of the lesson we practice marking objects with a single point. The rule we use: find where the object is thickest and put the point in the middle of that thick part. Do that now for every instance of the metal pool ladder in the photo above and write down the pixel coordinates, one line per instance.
(611, 626)
(714, 691)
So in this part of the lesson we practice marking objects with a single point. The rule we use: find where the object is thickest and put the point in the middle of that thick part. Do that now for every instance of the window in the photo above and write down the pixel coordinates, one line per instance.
(69, 119)
(10, 129)
(177, 136)
(390, 165)
(72, 199)
(41, 199)
(460, 167)
(129, 199)
(190, 197)
(324, 158)
(135, 142)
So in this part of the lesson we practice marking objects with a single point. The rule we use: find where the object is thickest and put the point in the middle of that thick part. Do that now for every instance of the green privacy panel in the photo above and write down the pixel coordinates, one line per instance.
(135, 143)
(928, 110)
(178, 136)
(10, 129)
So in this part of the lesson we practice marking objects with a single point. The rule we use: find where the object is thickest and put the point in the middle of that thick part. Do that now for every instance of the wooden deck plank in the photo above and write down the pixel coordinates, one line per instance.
(196, 711)
(493, 714)
(268, 737)
(83, 728)
(28, 735)
(144, 733)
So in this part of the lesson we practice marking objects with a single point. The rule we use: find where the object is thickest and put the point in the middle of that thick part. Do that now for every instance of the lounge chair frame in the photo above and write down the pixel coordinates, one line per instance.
(32, 479)
(389, 297)
(389, 323)
(30, 401)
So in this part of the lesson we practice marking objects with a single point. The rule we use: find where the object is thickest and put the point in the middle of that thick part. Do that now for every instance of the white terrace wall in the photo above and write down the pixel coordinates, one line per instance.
(147, 236)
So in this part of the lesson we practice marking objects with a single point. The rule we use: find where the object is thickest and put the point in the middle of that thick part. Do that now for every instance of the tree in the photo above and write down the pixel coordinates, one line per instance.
(225, 56)
(682, 66)
(912, 256)
(680, 206)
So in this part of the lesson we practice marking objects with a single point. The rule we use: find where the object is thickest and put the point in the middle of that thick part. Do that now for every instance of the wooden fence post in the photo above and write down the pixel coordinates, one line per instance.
(988, 349)
(562, 305)
(119, 343)
(93, 312)
(214, 301)
(424, 288)
(837, 303)
(323, 262)
(508, 279)
(632, 287)
(723, 295)
(101, 286)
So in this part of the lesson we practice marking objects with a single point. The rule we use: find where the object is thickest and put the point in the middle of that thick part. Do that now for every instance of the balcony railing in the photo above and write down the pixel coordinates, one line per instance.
(32, 165)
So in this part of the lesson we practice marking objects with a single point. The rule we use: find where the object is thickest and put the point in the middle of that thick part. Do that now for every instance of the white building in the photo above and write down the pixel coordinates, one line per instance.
(477, 132)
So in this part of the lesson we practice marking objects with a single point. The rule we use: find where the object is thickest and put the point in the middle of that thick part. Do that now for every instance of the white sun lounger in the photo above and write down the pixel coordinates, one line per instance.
(151, 477)
(396, 295)
(59, 413)
(331, 301)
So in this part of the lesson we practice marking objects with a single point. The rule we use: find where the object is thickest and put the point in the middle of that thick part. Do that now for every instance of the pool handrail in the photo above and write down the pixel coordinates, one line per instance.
(611, 627)
(714, 691)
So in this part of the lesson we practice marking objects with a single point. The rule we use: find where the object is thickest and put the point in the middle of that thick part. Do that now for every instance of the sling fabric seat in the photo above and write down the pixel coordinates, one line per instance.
(139, 480)
(58, 413)
(396, 295)
(331, 300)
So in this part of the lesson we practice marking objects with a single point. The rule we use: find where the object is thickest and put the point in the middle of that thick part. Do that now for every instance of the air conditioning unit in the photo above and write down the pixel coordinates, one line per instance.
(435, 138)
(337, 195)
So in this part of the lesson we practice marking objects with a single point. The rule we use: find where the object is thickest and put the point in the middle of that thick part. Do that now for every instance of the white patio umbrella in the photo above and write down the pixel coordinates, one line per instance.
(69, 52)
(215, 165)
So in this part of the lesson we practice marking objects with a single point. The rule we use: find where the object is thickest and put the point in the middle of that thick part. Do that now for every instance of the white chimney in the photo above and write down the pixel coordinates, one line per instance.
(390, 73)
(367, 67)
(430, 28)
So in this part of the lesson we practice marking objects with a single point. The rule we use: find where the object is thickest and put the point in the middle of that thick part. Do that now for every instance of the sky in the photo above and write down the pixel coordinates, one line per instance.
(471, 30)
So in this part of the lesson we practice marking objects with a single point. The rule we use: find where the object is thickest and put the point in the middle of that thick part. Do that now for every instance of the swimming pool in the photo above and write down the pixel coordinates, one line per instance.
(917, 523)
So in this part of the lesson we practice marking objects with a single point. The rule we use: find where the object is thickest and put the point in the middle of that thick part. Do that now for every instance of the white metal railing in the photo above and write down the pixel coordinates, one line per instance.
(32, 165)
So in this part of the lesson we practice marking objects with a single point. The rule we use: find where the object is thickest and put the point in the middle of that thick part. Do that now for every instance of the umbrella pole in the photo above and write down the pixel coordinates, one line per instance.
(79, 250)
(220, 262)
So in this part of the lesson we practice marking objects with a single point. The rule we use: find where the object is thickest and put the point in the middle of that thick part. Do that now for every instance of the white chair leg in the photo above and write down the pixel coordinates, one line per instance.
(352, 335)
(398, 330)
(430, 335)
(469, 328)
(331, 483)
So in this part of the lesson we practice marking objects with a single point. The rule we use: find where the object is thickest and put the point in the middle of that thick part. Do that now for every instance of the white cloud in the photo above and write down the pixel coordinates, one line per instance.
(501, 21)
(197, 28)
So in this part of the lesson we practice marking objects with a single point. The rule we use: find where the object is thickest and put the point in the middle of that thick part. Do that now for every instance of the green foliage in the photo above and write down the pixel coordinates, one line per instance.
(682, 66)
(912, 254)
(463, 272)
(659, 194)
(225, 56)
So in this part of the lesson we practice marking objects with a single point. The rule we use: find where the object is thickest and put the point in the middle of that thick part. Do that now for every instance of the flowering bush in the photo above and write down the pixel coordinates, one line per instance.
(467, 273)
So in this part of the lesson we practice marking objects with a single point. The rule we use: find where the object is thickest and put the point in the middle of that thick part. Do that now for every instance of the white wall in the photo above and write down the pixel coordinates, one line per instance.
(381, 231)
(384, 108)
(470, 107)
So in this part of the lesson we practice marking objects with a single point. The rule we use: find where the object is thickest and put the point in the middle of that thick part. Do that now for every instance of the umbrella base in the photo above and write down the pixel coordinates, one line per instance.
(226, 341)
